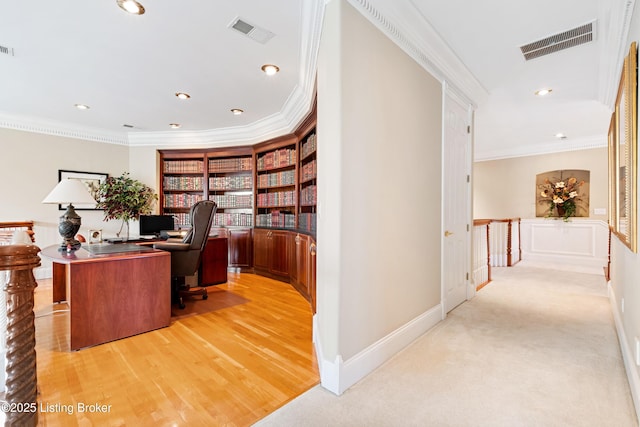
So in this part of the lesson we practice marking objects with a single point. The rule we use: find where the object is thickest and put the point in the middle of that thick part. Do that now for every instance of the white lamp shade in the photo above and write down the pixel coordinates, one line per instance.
(69, 191)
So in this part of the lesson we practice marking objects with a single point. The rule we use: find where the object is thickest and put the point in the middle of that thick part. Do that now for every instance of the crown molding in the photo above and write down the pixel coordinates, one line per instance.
(67, 130)
(596, 141)
(403, 23)
(613, 47)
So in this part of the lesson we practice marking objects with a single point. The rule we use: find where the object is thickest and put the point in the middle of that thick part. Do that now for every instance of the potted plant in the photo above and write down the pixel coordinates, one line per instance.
(125, 199)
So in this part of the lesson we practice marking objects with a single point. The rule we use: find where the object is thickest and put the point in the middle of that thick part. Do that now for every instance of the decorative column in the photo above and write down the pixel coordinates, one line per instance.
(21, 387)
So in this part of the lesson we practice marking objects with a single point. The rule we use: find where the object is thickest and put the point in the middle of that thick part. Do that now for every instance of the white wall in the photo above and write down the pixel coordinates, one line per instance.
(625, 286)
(379, 200)
(30, 171)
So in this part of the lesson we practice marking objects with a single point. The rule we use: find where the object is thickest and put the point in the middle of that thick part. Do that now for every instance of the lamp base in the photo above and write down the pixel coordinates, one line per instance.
(69, 225)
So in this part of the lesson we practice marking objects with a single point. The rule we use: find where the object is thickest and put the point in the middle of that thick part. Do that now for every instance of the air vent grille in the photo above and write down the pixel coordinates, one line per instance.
(6, 50)
(253, 32)
(564, 40)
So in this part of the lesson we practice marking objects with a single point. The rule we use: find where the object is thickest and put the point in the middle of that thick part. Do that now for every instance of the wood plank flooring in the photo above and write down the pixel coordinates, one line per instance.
(229, 367)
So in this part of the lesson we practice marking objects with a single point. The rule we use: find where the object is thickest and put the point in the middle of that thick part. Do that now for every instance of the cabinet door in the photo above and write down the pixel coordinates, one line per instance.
(261, 249)
(280, 253)
(240, 248)
(213, 266)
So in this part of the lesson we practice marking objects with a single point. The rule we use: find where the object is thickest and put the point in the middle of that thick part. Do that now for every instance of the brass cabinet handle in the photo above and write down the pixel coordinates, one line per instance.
(312, 249)
(298, 239)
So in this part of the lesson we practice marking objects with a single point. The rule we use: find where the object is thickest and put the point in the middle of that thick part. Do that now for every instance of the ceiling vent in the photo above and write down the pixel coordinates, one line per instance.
(255, 33)
(564, 40)
(6, 50)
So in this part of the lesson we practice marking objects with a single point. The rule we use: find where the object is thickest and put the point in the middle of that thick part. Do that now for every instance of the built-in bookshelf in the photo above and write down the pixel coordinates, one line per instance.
(308, 183)
(268, 185)
(230, 185)
(276, 168)
(183, 184)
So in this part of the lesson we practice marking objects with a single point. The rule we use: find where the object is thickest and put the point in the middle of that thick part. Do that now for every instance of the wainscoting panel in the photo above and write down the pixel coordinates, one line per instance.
(579, 244)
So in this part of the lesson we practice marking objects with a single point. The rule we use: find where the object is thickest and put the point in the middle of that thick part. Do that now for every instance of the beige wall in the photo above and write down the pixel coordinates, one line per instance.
(379, 158)
(30, 171)
(506, 188)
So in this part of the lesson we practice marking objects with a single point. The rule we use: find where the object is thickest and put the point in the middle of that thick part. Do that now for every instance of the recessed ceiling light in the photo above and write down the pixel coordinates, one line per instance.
(270, 69)
(131, 6)
(183, 95)
(561, 136)
(82, 106)
(174, 125)
(543, 92)
(237, 111)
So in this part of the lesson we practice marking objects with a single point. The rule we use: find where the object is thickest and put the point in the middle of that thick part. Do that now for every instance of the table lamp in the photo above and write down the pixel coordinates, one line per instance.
(69, 191)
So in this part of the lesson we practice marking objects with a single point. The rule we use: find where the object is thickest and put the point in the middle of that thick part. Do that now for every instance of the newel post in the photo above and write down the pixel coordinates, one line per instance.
(21, 385)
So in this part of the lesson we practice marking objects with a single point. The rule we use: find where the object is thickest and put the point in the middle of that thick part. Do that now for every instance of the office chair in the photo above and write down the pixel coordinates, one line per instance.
(187, 252)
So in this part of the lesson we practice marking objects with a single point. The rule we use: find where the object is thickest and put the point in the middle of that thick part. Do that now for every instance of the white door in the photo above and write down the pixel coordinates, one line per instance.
(456, 195)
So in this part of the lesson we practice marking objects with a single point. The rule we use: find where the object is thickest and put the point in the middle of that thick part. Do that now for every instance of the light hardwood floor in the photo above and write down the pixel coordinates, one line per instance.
(230, 367)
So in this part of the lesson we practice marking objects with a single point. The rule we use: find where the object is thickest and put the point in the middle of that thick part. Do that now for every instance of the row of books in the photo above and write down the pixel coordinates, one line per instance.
(276, 219)
(309, 195)
(186, 183)
(183, 166)
(183, 200)
(308, 146)
(234, 164)
(307, 221)
(277, 179)
(233, 200)
(308, 171)
(280, 198)
(277, 159)
(233, 219)
(237, 182)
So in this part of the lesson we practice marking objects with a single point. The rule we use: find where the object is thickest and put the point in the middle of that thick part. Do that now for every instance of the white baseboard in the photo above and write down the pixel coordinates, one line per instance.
(338, 375)
(627, 355)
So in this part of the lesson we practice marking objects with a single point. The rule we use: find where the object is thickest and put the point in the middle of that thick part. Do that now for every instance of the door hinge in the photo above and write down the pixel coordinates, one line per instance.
(467, 276)
(468, 129)
(467, 227)
(468, 178)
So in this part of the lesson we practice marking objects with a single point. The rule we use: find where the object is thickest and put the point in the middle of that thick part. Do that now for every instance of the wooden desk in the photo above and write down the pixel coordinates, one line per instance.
(112, 295)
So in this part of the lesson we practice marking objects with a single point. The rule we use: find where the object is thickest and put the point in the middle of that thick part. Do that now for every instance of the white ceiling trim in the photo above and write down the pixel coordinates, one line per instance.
(614, 47)
(66, 130)
(403, 23)
(597, 141)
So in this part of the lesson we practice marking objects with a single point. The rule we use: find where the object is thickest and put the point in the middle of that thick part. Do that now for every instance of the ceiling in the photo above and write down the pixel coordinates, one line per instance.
(128, 68)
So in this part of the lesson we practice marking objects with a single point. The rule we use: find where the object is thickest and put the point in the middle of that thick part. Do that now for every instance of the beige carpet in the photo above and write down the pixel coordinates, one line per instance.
(535, 347)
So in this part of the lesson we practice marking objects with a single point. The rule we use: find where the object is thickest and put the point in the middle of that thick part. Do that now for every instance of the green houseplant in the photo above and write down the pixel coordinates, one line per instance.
(125, 199)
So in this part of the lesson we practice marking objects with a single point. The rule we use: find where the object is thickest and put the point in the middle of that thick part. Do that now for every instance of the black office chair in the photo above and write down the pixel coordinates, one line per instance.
(186, 253)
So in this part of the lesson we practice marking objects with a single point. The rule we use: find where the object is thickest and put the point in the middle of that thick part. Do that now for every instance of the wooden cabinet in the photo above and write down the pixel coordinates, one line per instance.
(271, 252)
(213, 266)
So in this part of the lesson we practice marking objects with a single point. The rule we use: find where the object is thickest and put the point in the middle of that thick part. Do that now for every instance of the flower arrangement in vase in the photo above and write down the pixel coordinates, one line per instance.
(562, 196)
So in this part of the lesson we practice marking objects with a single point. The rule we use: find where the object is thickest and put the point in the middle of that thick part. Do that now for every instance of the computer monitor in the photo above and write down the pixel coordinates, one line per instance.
(152, 225)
